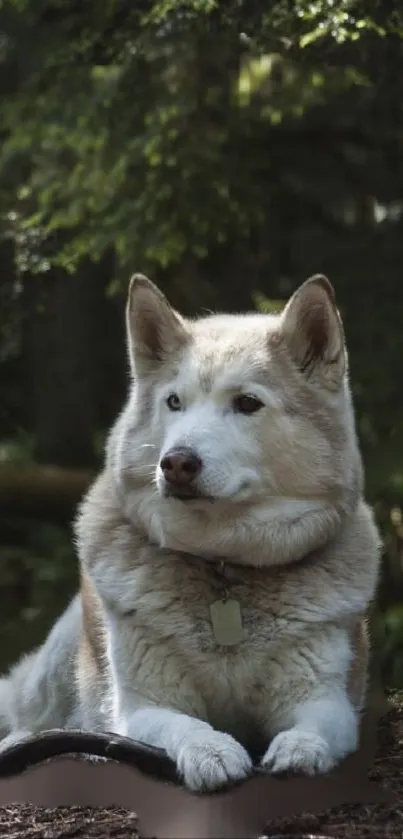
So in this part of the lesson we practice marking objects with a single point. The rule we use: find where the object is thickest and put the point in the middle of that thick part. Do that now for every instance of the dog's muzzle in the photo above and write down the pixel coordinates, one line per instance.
(180, 467)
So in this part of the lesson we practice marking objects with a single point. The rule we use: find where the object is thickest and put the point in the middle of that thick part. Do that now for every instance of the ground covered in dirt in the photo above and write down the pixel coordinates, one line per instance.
(377, 821)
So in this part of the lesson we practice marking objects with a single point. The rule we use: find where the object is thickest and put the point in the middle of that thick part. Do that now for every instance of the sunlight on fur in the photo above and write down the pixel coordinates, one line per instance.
(227, 556)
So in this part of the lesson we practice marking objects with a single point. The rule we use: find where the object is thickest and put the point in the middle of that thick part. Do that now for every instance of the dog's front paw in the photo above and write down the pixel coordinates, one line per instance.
(213, 762)
(298, 751)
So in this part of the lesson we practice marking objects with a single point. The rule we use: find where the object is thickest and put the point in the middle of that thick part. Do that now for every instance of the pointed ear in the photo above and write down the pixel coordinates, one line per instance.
(154, 329)
(313, 332)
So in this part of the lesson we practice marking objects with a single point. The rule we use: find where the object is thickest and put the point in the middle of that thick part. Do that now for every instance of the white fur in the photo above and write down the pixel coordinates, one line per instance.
(39, 692)
(282, 506)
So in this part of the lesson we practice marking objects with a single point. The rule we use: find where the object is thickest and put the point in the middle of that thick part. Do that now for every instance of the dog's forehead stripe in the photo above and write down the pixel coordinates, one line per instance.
(227, 370)
(228, 349)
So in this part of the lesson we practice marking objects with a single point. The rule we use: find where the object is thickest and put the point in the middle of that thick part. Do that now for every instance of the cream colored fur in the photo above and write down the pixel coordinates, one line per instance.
(280, 521)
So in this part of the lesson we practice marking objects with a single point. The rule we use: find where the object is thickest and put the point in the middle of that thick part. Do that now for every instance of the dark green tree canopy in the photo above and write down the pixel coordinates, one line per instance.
(170, 129)
(228, 148)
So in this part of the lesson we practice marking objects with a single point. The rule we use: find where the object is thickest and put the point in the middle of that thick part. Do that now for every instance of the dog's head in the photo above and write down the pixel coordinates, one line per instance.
(242, 418)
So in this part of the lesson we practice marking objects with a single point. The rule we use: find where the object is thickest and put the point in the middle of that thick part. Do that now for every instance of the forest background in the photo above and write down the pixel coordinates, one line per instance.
(227, 149)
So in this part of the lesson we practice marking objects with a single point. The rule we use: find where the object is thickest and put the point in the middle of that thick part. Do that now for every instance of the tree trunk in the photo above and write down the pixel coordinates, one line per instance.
(60, 339)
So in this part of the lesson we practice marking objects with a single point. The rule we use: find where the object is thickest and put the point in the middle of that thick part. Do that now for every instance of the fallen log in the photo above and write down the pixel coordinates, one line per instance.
(116, 781)
(41, 490)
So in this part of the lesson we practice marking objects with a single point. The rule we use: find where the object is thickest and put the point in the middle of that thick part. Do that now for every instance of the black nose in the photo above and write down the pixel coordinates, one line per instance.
(180, 466)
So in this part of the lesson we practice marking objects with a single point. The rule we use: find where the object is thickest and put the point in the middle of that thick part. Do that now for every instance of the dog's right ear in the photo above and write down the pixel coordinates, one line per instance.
(312, 329)
(154, 329)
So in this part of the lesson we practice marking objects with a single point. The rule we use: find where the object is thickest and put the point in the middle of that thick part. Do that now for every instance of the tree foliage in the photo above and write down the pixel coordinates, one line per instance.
(188, 136)
(167, 129)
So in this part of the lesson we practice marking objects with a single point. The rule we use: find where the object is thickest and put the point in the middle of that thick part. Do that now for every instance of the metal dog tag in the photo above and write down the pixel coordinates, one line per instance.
(226, 620)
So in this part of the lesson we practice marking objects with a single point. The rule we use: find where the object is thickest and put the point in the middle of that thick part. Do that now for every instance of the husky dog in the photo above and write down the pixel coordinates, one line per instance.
(227, 557)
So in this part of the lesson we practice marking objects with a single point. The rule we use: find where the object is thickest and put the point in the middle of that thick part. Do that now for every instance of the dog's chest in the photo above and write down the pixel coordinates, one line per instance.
(166, 647)
(211, 609)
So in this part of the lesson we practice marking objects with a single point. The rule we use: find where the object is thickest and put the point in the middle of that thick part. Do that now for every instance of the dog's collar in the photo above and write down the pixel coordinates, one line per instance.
(229, 568)
(223, 564)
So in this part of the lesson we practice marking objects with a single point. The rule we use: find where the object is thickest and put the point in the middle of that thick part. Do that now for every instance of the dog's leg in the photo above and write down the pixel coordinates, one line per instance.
(39, 691)
(317, 733)
(311, 716)
(206, 759)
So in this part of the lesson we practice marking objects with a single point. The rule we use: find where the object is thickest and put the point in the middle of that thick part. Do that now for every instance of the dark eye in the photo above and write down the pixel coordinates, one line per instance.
(246, 404)
(173, 402)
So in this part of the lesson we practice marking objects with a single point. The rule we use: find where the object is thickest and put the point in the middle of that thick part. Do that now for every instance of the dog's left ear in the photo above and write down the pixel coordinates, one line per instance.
(313, 331)
(154, 329)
